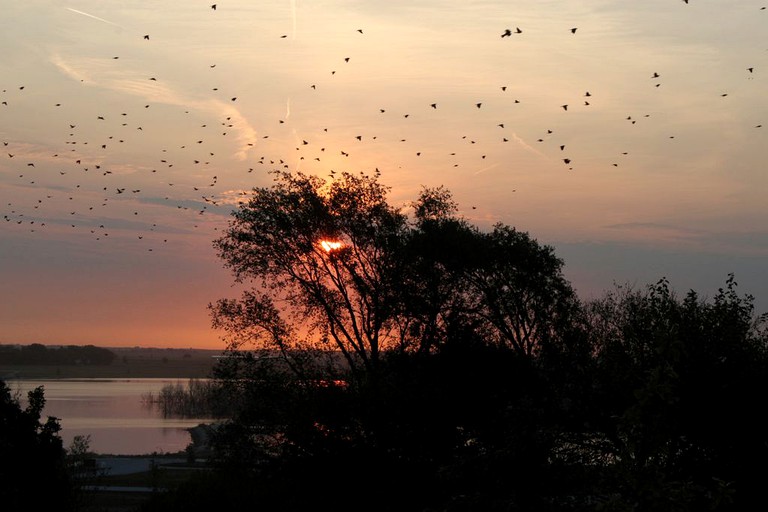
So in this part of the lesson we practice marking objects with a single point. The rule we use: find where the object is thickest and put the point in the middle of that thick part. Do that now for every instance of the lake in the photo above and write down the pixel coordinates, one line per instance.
(112, 412)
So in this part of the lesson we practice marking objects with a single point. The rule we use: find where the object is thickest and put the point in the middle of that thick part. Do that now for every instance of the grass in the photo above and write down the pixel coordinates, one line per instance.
(163, 477)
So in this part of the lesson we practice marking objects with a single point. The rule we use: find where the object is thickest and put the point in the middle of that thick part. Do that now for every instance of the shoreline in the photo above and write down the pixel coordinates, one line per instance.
(134, 362)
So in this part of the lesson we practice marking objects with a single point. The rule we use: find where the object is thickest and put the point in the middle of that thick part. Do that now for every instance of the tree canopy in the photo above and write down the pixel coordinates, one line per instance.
(33, 472)
(337, 267)
(410, 360)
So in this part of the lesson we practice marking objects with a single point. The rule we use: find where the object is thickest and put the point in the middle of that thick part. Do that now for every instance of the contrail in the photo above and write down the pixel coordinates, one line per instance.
(92, 16)
(526, 145)
(487, 168)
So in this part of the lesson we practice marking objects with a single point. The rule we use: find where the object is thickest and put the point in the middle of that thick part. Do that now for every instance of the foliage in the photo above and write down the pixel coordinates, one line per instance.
(425, 364)
(315, 296)
(31, 456)
(678, 384)
(390, 284)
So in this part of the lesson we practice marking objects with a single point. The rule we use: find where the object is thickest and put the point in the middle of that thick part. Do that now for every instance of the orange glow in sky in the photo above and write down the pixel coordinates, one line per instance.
(635, 145)
(329, 245)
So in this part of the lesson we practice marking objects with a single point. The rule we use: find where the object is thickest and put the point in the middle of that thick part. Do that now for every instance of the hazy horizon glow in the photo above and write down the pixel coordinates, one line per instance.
(634, 145)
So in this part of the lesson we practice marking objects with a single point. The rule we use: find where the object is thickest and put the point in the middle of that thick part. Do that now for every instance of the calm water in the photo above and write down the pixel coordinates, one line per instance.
(111, 411)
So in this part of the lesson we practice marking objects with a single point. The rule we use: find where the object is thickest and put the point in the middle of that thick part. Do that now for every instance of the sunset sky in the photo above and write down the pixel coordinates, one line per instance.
(630, 136)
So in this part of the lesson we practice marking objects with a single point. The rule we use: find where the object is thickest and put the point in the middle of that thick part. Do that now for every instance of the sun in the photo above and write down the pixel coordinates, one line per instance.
(330, 245)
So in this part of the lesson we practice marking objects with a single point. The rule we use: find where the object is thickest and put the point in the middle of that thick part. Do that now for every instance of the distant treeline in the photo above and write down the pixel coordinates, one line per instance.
(68, 355)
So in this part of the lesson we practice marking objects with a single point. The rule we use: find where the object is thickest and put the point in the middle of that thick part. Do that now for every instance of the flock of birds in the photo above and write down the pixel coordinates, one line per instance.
(84, 175)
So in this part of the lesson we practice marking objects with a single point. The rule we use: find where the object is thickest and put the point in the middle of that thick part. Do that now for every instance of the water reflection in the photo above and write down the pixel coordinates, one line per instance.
(113, 413)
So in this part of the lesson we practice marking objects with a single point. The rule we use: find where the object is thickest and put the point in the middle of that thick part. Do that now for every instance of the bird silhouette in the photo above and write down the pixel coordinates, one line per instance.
(506, 33)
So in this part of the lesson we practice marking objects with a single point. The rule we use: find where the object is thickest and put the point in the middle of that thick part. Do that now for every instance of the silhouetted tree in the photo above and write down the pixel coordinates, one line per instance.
(33, 473)
(324, 256)
(679, 385)
(435, 325)
(341, 269)
(394, 362)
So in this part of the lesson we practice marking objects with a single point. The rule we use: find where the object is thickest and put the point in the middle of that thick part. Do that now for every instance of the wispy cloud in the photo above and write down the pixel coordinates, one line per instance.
(486, 168)
(93, 17)
(96, 73)
(233, 197)
(527, 146)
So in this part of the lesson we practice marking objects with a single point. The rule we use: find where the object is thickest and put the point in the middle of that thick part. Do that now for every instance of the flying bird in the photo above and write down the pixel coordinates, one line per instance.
(213, 7)
(146, 37)
(573, 30)
(506, 33)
